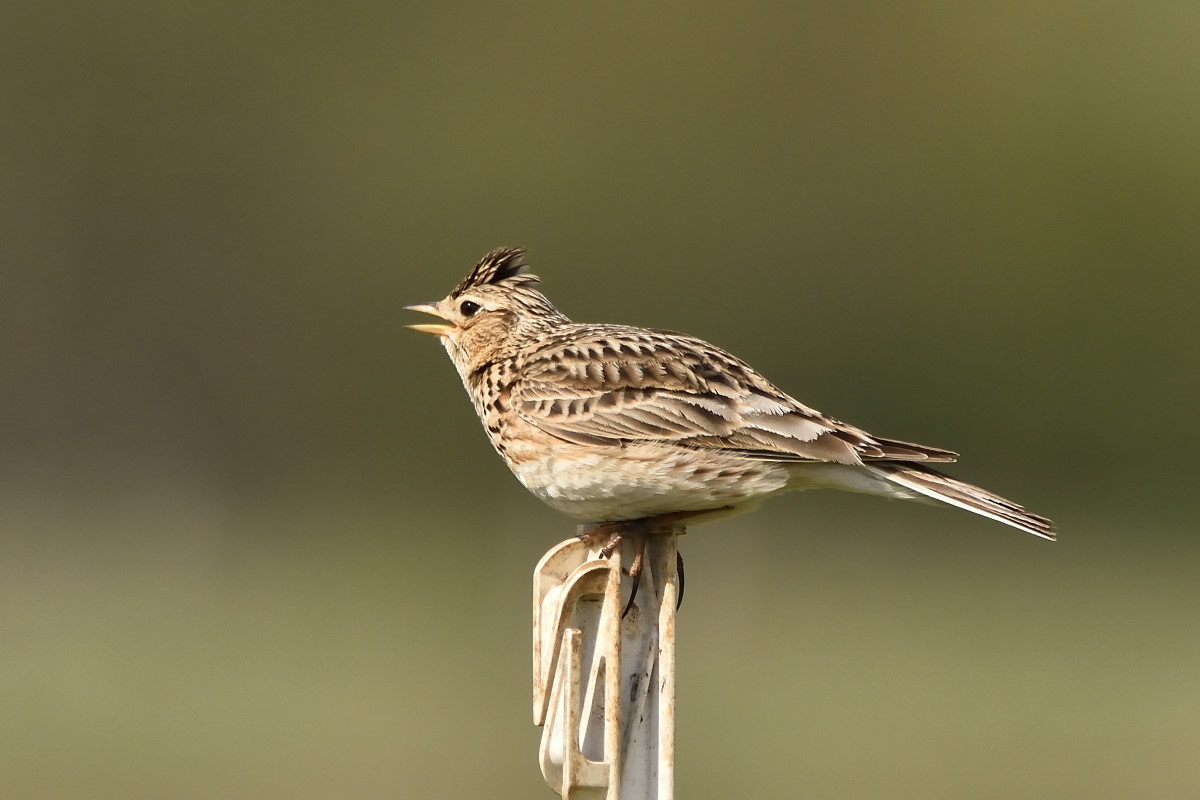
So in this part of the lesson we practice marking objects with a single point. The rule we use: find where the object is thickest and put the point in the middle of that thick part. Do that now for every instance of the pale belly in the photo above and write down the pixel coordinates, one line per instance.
(602, 484)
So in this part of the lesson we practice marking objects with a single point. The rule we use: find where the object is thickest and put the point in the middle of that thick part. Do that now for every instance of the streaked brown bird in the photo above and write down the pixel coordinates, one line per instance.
(638, 430)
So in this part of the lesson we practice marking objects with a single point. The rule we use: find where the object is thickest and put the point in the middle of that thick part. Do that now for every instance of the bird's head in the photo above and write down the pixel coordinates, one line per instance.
(494, 309)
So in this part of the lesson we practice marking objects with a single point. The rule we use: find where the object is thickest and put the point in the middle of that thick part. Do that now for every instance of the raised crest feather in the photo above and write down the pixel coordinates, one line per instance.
(502, 264)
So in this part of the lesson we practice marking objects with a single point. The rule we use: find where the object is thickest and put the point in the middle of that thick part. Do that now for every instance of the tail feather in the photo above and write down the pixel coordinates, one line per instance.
(933, 484)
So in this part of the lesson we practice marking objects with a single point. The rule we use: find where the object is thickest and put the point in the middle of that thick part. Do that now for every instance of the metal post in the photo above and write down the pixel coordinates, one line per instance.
(603, 686)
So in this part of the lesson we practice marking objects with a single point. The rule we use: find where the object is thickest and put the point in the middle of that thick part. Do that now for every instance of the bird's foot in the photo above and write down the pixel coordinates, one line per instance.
(592, 533)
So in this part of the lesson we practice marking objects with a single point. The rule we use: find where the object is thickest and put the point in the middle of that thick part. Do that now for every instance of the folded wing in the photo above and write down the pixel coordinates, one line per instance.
(613, 386)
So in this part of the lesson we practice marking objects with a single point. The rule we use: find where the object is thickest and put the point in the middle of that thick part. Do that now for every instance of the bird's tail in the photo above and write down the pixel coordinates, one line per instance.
(930, 483)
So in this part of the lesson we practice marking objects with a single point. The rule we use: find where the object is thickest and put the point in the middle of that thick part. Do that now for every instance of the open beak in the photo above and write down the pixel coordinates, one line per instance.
(436, 330)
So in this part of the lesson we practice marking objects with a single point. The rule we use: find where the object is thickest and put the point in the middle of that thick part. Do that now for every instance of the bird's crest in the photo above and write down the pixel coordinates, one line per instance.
(502, 264)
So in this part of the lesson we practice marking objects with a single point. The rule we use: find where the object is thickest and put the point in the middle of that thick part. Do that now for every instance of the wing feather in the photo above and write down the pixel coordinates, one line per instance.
(612, 385)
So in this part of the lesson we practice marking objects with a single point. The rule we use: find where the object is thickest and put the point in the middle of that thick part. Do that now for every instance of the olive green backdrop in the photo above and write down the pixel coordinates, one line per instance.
(253, 543)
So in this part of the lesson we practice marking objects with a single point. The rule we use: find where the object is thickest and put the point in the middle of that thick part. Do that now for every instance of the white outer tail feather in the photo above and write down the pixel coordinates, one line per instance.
(943, 488)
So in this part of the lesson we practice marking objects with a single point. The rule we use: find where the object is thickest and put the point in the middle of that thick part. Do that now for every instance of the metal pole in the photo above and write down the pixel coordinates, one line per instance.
(603, 686)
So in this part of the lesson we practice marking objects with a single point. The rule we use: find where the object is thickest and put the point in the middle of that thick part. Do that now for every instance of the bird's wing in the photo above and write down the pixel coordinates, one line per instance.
(611, 385)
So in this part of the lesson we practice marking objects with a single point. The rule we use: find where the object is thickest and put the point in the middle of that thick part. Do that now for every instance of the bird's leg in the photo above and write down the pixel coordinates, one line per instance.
(591, 533)
(635, 570)
(662, 525)
(670, 523)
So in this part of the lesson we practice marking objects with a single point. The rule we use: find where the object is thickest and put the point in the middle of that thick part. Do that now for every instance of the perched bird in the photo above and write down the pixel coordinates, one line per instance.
(637, 430)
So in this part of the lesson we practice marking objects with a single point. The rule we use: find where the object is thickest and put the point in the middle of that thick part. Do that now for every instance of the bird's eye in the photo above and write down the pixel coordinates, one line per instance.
(468, 308)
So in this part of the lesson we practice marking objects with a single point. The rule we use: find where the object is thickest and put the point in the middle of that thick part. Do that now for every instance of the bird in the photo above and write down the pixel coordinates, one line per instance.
(640, 430)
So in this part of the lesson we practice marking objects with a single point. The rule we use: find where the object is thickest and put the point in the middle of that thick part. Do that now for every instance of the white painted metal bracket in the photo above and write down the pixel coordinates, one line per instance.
(604, 687)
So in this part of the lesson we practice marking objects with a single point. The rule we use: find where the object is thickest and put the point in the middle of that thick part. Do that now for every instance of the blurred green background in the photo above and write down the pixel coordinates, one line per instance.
(254, 544)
